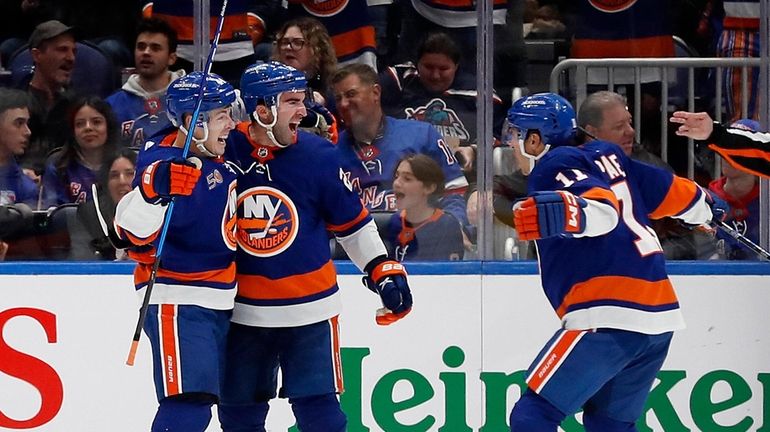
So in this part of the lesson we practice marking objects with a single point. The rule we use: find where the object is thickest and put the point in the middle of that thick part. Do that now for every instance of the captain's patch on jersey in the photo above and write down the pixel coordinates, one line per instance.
(268, 221)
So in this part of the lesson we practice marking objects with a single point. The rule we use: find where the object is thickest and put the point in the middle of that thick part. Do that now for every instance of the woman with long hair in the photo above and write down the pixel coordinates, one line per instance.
(92, 136)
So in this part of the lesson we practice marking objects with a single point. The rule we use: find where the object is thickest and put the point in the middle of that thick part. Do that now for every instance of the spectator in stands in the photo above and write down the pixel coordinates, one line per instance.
(304, 44)
(605, 116)
(72, 169)
(420, 231)
(373, 143)
(740, 38)
(15, 186)
(458, 18)
(52, 46)
(348, 24)
(741, 190)
(140, 106)
(242, 29)
(87, 232)
(432, 90)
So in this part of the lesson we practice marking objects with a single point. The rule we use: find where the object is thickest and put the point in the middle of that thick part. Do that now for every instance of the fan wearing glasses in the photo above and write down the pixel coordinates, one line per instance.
(304, 44)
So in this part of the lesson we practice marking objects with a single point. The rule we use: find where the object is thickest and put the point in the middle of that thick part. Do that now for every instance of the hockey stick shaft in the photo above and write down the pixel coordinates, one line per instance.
(169, 212)
(732, 232)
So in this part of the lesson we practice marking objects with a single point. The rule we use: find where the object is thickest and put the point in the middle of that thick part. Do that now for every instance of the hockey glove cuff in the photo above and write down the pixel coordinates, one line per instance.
(548, 214)
(388, 279)
(162, 180)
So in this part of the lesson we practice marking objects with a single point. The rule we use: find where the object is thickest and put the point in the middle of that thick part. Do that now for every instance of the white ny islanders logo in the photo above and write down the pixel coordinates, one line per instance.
(229, 218)
(268, 221)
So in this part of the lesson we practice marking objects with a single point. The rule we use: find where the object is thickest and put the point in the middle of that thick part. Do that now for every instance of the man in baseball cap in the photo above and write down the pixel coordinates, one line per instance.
(47, 30)
(52, 48)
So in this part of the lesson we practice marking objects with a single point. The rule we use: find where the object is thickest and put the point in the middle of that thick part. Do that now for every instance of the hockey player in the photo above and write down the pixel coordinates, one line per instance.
(192, 298)
(749, 151)
(590, 206)
(290, 192)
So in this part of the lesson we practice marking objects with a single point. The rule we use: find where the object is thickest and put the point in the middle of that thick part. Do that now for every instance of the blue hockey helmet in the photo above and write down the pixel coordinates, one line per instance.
(547, 113)
(182, 95)
(266, 81)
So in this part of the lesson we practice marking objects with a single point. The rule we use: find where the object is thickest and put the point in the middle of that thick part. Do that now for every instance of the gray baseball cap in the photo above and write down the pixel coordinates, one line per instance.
(47, 30)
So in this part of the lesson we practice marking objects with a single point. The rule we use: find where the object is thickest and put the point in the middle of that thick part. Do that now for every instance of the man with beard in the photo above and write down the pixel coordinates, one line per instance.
(52, 46)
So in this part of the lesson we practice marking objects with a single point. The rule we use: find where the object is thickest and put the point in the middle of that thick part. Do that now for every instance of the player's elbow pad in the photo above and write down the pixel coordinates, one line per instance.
(600, 218)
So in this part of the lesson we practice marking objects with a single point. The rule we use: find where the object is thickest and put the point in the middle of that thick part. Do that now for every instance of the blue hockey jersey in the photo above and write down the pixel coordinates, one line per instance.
(140, 114)
(197, 263)
(287, 200)
(437, 239)
(370, 168)
(15, 186)
(618, 279)
(452, 112)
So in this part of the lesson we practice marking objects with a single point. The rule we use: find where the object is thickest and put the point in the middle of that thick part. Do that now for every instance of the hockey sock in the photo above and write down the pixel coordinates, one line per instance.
(319, 413)
(243, 418)
(182, 415)
(532, 413)
(598, 423)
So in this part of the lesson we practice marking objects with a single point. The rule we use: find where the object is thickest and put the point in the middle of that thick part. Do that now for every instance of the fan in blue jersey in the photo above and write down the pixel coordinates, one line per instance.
(15, 185)
(140, 105)
(192, 298)
(290, 192)
(373, 143)
(420, 231)
(602, 268)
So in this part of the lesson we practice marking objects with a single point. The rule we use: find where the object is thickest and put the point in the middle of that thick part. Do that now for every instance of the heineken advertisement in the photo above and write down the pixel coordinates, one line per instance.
(456, 364)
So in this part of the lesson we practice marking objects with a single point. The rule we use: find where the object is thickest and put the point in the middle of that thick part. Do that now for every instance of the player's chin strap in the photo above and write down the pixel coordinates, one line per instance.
(269, 127)
(532, 159)
(200, 144)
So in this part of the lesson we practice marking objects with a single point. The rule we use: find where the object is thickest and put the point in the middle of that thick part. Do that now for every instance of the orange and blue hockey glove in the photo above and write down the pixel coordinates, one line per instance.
(549, 214)
(164, 179)
(388, 279)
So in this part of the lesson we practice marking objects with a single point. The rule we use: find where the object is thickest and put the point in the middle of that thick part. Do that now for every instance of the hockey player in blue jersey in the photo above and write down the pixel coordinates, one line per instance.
(589, 207)
(192, 299)
(290, 192)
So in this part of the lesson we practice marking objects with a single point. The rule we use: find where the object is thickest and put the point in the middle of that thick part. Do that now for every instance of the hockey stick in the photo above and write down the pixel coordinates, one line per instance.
(167, 219)
(732, 232)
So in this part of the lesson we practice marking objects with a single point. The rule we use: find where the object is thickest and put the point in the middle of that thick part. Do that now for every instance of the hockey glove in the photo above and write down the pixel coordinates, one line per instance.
(719, 207)
(164, 179)
(548, 214)
(319, 121)
(388, 279)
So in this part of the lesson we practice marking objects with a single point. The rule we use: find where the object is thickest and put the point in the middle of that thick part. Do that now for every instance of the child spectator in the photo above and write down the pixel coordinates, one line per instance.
(72, 169)
(421, 231)
(741, 190)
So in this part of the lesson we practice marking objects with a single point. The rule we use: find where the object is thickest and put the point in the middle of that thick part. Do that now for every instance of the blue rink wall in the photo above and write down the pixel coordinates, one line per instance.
(456, 363)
